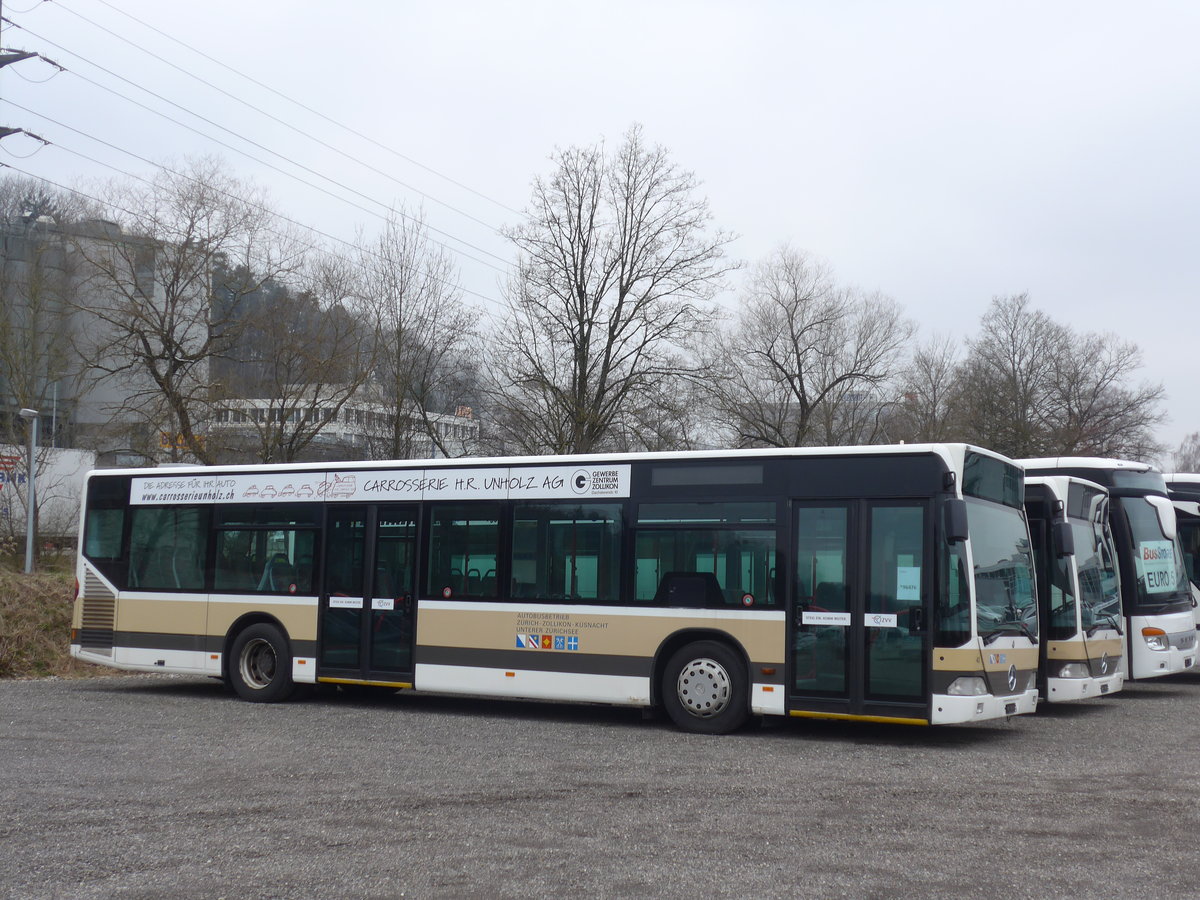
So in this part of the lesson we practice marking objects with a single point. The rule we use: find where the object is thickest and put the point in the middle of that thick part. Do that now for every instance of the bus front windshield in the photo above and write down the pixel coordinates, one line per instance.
(1101, 596)
(1005, 602)
(1158, 564)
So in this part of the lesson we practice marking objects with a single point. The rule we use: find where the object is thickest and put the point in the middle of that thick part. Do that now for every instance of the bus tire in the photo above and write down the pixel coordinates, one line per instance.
(704, 688)
(260, 665)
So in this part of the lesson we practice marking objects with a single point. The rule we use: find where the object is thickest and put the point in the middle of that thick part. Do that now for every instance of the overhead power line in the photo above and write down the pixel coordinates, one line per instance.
(252, 143)
(268, 165)
(8, 132)
(262, 112)
(306, 108)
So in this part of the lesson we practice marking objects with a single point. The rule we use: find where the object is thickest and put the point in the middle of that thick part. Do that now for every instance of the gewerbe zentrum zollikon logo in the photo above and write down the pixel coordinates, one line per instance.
(581, 481)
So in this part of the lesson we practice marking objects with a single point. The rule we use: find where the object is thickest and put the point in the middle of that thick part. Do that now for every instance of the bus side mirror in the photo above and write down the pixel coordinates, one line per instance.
(1064, 539)
(1166, 515)
(955, 512)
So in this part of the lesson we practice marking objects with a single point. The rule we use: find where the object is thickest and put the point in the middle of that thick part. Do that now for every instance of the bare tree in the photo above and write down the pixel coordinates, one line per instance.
(31, 198)
(1097, 411)
(409, 289)
(151, 292)
(1008, 375)
(616, 270)
(302, 355)
(927, 407)
(1033, 387)
(807, 362)
(1186, 457)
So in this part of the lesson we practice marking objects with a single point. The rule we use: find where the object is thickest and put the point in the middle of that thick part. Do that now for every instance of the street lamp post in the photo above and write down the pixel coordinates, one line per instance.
(31, 416)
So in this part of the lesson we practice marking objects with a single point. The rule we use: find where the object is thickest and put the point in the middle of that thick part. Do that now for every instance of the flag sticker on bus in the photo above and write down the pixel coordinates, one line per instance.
(547, 642)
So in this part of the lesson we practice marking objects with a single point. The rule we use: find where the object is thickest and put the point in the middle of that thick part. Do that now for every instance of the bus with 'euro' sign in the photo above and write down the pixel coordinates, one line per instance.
(884, 583)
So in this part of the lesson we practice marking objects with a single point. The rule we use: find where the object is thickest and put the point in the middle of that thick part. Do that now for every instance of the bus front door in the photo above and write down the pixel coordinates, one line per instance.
(859, 629)
(367, 606)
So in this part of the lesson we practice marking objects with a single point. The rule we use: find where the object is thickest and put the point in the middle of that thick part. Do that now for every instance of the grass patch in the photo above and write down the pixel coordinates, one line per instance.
(35, 626)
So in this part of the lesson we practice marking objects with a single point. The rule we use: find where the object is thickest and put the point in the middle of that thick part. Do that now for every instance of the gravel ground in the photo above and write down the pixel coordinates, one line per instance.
(168, 787)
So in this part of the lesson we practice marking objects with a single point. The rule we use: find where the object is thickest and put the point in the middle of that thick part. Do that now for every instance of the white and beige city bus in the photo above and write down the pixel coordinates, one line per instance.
(873, 583)
(1160, 631)
(1079, 594)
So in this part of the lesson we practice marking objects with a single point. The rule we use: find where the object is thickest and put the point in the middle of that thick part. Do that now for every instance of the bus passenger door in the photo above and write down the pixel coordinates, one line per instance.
(342, 594)
(859, 626)
(895, 614)
(367, 607)
(389, 643)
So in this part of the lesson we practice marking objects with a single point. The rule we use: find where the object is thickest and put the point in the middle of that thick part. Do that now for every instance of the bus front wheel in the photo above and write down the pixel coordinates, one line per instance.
(704, 688)
(260, 666)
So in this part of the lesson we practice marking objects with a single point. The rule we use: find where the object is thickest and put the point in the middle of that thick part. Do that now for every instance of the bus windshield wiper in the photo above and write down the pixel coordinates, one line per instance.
(1110, 620)
(1007, 628)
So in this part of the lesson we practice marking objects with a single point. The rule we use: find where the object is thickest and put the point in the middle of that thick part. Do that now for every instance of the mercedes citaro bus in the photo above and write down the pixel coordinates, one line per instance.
(1079, 594)
(1160, 631)
(873, 583)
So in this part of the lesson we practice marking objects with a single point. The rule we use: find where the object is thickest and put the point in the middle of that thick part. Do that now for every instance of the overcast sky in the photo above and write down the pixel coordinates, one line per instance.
(943, 153)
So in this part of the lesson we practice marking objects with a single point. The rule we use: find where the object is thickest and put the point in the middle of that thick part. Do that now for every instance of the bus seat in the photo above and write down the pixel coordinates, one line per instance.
(689, 589)
(277, 574)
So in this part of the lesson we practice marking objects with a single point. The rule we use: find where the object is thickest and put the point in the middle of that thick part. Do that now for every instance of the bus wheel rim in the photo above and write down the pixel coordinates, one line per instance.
(258, 663)
(704, 688)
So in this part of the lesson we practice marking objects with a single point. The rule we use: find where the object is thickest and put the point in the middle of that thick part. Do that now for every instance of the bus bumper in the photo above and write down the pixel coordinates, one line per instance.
(1061, 690)
(948, 710)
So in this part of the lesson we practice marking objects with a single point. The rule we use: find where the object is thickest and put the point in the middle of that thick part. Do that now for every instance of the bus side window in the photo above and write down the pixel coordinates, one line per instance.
(565, 552)
(163, 548)
(733, 544)
(464, 547)
(234, 561)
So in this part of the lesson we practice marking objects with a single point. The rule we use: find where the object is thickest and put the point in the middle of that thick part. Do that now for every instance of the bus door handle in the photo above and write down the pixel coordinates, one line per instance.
(916, 620)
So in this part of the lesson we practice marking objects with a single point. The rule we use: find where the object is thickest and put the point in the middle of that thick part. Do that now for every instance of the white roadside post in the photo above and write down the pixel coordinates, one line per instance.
(31, 416)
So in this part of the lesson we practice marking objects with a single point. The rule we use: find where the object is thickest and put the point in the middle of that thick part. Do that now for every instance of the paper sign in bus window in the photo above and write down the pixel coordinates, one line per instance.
(908, 583)
(1156, 561)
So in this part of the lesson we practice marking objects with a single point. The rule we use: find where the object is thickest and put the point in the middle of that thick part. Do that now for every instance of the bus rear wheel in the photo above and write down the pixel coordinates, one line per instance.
(260, 666)
(704, 688)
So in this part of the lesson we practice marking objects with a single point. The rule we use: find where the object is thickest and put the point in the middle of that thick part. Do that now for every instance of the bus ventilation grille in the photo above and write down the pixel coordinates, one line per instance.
(99, 616)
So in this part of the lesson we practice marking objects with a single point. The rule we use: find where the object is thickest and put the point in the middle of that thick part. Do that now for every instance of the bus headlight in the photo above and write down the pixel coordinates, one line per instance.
(1155, 638)
(1074, 670)
(967, 686)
